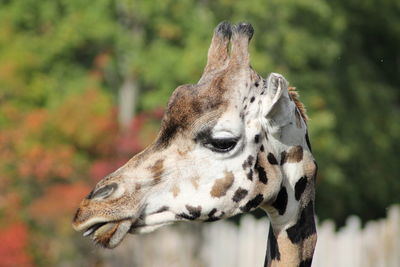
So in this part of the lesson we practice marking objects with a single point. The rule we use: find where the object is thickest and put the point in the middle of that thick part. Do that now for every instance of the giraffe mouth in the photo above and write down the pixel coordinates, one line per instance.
(93, 228)
(109, 234)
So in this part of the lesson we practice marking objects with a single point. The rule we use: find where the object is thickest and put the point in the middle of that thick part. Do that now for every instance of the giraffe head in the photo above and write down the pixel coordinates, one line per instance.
(210, 159)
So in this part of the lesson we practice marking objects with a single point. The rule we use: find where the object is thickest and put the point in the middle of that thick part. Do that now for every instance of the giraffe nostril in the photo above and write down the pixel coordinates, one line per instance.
(76, 214)
(104, 191)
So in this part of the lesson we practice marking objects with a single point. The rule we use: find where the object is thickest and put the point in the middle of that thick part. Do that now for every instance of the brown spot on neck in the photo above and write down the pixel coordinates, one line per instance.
(222, 185)
(195, 182)
(290, 254)
(157, 170)
(293, 155)
(309, 165)
(175, 190)
(308, 246)
(182, 153)
(137, 186)
(139, 158)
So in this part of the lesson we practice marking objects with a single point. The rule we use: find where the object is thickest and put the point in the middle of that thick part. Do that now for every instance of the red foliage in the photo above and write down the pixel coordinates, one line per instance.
(58, 201)
(35, 120)
(51, 149)
(125, 145)
(10, 205)
(41, 162)
(158, 113)
(87, 121)
(101, 168)
(13, 246)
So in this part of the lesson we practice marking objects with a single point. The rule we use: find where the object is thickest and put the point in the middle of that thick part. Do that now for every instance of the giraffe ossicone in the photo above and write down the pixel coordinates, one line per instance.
(229, 144)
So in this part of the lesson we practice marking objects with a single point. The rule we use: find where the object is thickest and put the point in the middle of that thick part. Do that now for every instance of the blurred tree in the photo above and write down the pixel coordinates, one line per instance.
(361, 166)
(57, 59)
(70, 70)
(14, 245)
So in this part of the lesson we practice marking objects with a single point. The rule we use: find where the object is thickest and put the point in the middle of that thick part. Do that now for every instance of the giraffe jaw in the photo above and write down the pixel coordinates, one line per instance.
(108, 234)
(144, 229)
(149, 223)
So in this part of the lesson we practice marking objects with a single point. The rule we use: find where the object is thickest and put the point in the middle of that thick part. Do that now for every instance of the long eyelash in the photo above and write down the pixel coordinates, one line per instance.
(211, 144)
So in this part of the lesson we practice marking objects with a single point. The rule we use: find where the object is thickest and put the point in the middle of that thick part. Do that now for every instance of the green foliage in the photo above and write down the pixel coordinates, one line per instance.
(362, 161)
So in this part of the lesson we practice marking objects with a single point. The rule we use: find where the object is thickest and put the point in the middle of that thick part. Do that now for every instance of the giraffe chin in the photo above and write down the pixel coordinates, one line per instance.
(145, 229)
(109, 235)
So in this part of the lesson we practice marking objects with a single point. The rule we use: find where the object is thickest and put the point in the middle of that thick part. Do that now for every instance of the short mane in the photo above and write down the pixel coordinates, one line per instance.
(294, 95)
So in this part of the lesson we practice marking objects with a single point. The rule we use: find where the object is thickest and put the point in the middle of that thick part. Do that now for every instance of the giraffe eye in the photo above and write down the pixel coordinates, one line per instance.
(221, 145)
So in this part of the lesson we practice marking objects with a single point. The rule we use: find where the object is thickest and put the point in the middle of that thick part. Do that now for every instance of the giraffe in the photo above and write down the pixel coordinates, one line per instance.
(229, 144)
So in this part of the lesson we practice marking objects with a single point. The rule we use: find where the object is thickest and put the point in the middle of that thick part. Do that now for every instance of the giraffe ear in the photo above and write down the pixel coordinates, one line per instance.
(276, 98)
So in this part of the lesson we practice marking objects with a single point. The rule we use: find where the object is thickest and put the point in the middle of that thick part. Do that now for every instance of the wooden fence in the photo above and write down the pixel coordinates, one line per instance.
(225, 244)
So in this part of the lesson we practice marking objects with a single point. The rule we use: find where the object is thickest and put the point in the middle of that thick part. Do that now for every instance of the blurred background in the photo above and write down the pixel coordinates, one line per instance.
(83, 85)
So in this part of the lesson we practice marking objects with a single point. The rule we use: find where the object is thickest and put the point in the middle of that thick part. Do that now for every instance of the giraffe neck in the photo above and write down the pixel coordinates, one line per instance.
(294, 245)
(292, 235)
